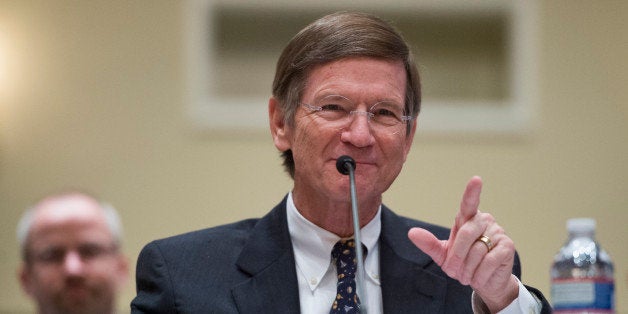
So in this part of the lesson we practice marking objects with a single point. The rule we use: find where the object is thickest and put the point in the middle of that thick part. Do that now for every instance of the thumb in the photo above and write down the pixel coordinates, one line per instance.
(429, 244)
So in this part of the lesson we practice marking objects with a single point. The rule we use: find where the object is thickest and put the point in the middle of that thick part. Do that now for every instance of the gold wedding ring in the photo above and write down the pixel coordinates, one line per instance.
(487, 241)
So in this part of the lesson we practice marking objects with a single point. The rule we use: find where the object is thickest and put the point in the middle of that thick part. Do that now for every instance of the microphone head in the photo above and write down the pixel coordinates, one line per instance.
(344, 163)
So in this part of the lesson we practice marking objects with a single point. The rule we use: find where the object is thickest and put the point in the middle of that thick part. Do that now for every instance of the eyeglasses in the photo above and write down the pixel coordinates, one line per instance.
(338, 111)
(87, 252)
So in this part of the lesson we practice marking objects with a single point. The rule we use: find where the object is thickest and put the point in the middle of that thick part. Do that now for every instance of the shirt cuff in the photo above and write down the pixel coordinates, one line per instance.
(525, 303)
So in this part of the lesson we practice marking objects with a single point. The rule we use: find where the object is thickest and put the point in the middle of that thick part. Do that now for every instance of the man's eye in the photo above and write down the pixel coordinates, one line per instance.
(93, 251)
(384, 113)
(50, 256)
(332, 107)
(90, 251)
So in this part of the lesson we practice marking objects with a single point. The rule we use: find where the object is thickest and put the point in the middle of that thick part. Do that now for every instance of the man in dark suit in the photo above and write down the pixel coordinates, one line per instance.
(344, 85)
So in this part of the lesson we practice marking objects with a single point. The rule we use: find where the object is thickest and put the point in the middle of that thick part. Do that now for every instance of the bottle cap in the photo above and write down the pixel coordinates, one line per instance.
(580, 225)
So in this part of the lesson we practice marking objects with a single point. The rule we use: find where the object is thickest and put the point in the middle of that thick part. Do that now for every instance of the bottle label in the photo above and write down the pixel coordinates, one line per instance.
(594, 295)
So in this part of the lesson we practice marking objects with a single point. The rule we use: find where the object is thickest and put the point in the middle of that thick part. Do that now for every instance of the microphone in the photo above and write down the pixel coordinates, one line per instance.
(346, 165)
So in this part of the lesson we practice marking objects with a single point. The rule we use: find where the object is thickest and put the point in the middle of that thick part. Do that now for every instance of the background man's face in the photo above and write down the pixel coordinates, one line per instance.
(73, 264)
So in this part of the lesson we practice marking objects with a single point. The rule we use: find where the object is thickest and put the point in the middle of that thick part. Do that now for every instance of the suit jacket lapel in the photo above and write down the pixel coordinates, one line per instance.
(268, 259)
(401, 260)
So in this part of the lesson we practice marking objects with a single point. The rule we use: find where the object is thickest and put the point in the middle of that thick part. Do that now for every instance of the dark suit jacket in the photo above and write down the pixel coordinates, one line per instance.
(248, 267)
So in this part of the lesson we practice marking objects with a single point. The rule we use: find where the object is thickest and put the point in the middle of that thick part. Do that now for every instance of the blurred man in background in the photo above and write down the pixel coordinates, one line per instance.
(71, 260)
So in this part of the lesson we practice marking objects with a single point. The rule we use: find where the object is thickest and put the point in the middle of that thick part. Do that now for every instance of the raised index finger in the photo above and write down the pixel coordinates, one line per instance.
(470, 201)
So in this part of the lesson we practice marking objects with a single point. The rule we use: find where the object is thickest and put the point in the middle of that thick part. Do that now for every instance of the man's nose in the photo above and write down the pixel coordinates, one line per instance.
(73, 263)
(359, 132)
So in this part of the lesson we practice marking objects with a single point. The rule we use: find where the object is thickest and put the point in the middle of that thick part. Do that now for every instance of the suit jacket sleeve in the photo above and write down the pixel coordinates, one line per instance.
(154, 289)
(546, 308)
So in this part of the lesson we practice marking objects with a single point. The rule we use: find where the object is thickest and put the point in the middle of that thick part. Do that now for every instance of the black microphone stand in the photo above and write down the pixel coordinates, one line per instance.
(346, 165)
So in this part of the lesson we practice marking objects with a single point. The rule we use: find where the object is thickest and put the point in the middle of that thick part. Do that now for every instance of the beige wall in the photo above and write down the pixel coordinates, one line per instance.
(92, 96)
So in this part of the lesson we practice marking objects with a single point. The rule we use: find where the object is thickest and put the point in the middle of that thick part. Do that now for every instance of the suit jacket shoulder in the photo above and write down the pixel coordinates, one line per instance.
(226, 269)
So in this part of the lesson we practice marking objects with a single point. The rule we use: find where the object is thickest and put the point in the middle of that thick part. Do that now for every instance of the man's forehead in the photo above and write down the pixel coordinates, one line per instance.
(67, 209)
(349, 76)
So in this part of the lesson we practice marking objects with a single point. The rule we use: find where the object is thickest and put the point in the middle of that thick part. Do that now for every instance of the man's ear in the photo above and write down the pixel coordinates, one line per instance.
(410, 137)
(24, 275)
(278, 127)
(122, 270)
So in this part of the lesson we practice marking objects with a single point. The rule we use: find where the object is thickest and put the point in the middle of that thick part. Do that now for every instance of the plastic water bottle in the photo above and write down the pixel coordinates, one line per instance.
(582, 272)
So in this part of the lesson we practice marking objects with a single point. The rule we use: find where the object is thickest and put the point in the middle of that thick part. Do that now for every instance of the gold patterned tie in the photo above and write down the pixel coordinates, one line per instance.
(347, 300)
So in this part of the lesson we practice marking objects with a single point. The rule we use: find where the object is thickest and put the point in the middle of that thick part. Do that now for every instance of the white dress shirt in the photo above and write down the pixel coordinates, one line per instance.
(316, 271)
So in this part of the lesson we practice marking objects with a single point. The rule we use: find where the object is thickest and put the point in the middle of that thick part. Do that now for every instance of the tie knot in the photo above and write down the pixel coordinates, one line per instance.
(344, 249)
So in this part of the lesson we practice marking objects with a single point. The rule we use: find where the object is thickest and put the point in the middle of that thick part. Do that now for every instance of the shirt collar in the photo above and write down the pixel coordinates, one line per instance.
(312, 244)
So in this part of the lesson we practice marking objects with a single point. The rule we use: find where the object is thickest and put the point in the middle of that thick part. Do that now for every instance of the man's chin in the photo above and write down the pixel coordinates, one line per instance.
(77, 298)
(76, 304)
